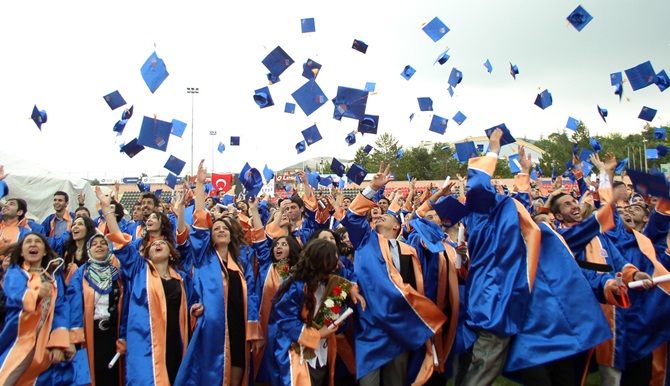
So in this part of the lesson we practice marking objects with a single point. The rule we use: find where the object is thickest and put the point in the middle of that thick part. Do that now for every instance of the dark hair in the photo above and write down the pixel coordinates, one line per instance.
(384, 198)
(21, 204)
(234, 244)
(118, 210)
(297, 200)
(70, 248)
(294, 249)
(616, 184)
(342, 248)
(82, 209)
(152, 197)
(316, 233)
(553, 203)
(173, 260)
(62, 193)
(16, 249)
(166, 231)
(317, 261)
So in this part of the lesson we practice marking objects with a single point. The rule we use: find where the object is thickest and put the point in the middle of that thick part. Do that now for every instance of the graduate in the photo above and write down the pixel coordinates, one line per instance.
(227, 324)
(74, 249)
(392, 281)
(311, 299)
(95, 295)
(275, 260)
(157, 293)
(36, 325)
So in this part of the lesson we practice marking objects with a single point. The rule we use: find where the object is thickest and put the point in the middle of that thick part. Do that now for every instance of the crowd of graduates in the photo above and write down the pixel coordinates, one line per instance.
(466, 281)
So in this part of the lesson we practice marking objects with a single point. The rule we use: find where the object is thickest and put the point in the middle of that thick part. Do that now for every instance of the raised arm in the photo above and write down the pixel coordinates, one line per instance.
(200, 187)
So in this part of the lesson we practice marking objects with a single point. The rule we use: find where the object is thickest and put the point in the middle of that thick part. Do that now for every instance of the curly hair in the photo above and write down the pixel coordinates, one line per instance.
(293, 252)
(317, 261)
(70, 247)
(166, 231)
(316, 233)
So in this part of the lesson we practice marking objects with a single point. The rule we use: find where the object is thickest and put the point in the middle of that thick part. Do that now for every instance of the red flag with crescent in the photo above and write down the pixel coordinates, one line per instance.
(222, 181)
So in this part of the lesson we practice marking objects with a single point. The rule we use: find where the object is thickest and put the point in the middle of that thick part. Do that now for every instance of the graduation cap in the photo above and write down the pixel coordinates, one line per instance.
(587, 167)
(300, 146)
(289, 108)
(127, 113)
(465, 151)
(114, 100)
(450, 210)
(621, 165)
(307, 25)
(411, 116)
(506, 137)
(513, 70)
(399, 154)
(263, 98)
(641, 75)
(310, 69)
(337, 167)
(357, 174)
(369, 124)
(253, 182)
(268, 173)
(131, 148)
(543, 100)
(435, 29)
(309, 97)
(480, 148)
(595, 145)
(572, 124)
(143, 187)
(221, 147)
(243, 173)
(154, 133)
(367, 149)
(408, 72)
(514, 165)
(647, 114)
(313, 179)
(652, 154)
(154, 72)
(618, 90)
(350, 103)
(370, 86)
(171, 180)
(177, 128)
(459, 118)
(662, 81)
(662, 150)
(443, 57)
(455, 77)
(311, 135)
(603, 113)
(175, 165)
(326, 181)
(39, 117)
(488, 66)
(649, 184)
(234, 141)
(659, 133)
(585, 155)
(451, 91)
(616, 78)
(425, 104)
(277, 61)
(119, 126)
(272, 79)
(359, 46)
(350, 139)
(438, 124)
(579, 18)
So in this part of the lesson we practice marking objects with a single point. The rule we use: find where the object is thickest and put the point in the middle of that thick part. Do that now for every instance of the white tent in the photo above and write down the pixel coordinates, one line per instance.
(36, 184)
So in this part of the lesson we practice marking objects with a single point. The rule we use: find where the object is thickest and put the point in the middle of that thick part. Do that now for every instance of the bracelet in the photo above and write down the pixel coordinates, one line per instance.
(108, 212)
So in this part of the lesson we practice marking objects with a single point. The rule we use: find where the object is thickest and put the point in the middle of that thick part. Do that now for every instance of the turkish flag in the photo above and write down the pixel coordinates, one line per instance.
(222, 181)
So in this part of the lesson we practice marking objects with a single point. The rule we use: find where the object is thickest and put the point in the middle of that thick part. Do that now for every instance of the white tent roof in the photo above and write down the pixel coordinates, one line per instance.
(36, 184)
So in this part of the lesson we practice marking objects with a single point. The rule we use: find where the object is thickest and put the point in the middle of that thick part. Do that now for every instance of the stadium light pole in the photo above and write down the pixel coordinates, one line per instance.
(192, 91)
(212, 133)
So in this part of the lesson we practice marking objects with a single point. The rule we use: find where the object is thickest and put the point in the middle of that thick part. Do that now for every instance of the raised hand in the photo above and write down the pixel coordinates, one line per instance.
(526, 163)
(382, 178)
(3, 175)
(494, 141)
(105, 200)
(201, 176)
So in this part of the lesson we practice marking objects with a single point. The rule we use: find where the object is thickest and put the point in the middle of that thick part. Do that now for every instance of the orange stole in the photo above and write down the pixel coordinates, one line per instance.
(27, 336)
(270, 288)
(659, 365)
(158, 312)
(444, 339)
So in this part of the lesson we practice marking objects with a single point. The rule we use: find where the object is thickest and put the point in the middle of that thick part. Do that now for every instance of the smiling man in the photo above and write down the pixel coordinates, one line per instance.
(57, 223)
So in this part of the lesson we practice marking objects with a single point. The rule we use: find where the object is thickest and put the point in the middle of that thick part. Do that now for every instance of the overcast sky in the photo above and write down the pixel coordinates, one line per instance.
(65, 56)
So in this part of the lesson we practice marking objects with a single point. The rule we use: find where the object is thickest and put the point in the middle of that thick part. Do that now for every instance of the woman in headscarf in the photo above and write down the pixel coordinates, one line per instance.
(94, 295)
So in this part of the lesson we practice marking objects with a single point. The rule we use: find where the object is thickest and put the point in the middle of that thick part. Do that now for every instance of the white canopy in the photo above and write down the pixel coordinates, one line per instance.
(36, 184)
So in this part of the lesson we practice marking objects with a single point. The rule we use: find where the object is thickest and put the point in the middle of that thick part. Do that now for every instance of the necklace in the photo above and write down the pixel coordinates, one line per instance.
(165, 275)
